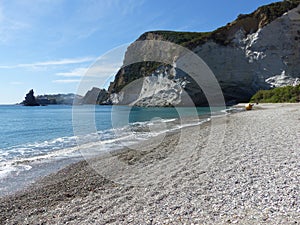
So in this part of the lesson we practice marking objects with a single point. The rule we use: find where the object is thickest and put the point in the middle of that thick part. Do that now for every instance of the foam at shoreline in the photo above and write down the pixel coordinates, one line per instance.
(24, 159)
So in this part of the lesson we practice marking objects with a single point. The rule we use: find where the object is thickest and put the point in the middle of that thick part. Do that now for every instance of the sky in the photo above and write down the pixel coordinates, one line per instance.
(48, 45)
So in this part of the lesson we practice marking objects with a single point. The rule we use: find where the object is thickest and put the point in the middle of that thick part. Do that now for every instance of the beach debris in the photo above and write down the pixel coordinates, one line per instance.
(248, 106)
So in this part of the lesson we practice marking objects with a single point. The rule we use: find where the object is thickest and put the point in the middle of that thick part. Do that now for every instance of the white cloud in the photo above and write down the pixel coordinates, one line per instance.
(66, 81)
(77, 72)
(94, 71)
(106, 69)
(61, 62)
(50, 63)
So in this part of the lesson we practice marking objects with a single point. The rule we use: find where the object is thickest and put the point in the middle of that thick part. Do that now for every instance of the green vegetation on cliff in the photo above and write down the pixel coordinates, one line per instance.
(248, 22)
(275, 10)
(278, 95)
(186, 39)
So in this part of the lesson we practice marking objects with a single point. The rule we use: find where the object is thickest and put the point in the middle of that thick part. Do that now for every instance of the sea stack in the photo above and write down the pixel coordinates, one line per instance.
(30, 99)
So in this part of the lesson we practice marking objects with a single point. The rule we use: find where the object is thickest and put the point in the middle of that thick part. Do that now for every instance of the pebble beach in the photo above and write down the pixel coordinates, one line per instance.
(250, 175)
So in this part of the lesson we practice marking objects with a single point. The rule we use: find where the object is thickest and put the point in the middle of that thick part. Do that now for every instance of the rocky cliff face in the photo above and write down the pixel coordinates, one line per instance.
(95, 96)
(256, 51)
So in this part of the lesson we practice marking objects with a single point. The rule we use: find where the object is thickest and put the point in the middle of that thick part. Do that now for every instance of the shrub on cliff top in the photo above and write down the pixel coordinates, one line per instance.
(278, 95)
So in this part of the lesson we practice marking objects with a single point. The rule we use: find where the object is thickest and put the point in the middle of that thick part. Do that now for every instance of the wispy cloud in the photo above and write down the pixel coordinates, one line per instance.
(103, 70)
(97, 74)
(66, 81)
(50, 63)
(77, 72)
(89, 19)
(9, 27)
(131, 6)
(16, 83)
(94, 71)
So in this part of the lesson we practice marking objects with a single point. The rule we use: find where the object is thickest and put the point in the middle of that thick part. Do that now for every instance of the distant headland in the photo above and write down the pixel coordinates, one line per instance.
(94, 96)
(55, 99)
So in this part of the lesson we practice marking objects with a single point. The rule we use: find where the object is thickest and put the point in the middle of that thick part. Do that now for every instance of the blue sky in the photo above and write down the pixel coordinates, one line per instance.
(48, 45)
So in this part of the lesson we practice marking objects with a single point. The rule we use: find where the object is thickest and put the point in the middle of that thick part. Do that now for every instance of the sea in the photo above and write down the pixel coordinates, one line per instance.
(36, 141)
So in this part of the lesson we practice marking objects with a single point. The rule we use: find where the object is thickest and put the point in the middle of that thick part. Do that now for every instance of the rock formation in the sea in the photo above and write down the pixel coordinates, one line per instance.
(95, 96)
(256, 51)
(30, 99)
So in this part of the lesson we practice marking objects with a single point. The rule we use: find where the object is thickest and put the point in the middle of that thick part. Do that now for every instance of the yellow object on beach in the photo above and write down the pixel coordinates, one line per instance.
(248, 106)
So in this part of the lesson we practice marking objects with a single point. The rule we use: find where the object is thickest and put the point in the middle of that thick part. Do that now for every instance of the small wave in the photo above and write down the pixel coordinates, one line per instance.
(37, 148)
(20, 158)
(7, 169)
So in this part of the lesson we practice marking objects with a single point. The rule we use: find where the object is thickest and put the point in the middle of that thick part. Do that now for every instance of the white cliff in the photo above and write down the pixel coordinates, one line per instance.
(254, 55)
(248, 63)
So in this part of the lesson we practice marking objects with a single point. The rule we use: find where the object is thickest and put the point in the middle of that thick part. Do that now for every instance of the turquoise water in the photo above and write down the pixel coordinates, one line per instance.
(41, 134)
(35, 127)
(24, 125)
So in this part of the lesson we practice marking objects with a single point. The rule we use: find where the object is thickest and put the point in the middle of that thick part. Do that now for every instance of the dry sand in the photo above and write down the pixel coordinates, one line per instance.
(252, 176)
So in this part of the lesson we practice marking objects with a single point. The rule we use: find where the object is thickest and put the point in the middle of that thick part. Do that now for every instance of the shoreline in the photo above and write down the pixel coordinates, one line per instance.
(253, 177)
(37, 167)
